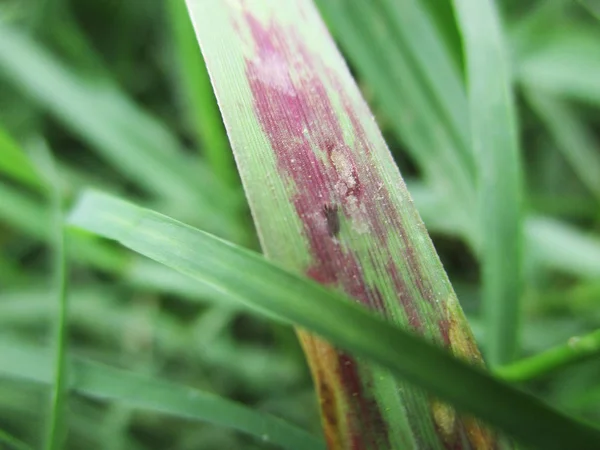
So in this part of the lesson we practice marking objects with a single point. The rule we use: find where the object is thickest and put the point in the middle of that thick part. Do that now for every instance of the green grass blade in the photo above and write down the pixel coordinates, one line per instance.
(495, 141)
(563, 247)
(10, 271)
(135, 143)
(197, 96)
(106, 383)
(415, 34)
(56, 429)
(12, 442)
(550, 242)
(573, 139)
(30, 216)
(241, 274)
(24, 212)
(565, 63)
(576, 350)
(15, 164)
(593, 6)
(442, 15)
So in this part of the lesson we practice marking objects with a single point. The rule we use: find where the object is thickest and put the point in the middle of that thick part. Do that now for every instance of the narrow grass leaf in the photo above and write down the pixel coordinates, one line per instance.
(566, 64)
(418, 38)
(10, 272)
(573, 139)
(135, 143)
(23, 211)
(56, 427)
(329, 203)
(563, 247)
(249, 279)
(14, 162)
(550, 242)
(106, 383)
(495, 141)
(28, 215)
(197, 97)
(12, 443)
(593, 6)
(442, 14)
(576, 350)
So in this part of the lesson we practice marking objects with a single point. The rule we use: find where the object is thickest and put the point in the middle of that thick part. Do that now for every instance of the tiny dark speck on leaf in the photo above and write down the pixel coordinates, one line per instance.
(333, 219)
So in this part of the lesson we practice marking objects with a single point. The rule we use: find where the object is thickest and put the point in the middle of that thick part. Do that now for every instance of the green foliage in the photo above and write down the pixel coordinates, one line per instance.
(159, 360)
(294, 300)
(499, 180)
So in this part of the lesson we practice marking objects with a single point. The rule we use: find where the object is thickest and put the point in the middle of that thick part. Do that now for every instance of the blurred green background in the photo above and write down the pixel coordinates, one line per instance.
(118, 92)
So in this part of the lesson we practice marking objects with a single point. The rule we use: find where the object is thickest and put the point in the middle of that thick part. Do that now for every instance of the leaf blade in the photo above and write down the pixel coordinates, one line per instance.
(494, 133)
(239, 274)
(106, 383)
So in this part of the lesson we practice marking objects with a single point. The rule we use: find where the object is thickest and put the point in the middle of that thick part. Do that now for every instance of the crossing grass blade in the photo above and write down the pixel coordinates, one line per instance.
(495, 141)
(106, 383)
(240, 274)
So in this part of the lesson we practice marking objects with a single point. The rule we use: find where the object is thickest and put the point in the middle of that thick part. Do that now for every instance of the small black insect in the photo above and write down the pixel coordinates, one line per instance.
(330, 212)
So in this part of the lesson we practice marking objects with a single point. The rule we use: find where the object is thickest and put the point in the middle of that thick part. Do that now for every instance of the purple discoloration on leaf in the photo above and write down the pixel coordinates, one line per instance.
(408, 304)
(331, 178)
(299, 118)
(371, 434)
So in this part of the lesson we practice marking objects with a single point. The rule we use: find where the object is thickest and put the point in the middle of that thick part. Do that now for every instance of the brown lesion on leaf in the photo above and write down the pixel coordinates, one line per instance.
(460, 339)
(457, 337)
(321, 357)
(327, 398)
(444, 417)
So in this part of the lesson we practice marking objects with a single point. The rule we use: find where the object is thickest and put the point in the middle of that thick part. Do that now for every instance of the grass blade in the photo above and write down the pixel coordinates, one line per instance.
(240, 275)
(56, 430)
(495, 141)
(12, 443)
(135, 143)
(575, 142)
(15, 164)
(548, 241)
(442, 15)
(576, 350)
(563, 247)
(328, 202)
(30, 216)
(415, 34)
(106, 383)
(593, 6)
(566, 63)
(198, 97)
